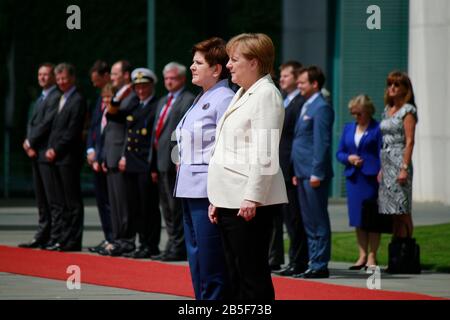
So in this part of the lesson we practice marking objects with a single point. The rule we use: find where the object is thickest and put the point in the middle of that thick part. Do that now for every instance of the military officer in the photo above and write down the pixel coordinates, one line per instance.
(142, 192)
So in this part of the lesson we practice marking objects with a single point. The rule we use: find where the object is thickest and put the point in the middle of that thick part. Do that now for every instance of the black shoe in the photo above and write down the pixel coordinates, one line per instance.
(313, 274)
(173, 257)
(357, 267)
(118, 251)
(275, 267)
(158, 257)
(101, 245)
(54, 247)
(32, 244)
(70, 249)
(290, 270)
(103, 252)
(154, 252)
(138, 254)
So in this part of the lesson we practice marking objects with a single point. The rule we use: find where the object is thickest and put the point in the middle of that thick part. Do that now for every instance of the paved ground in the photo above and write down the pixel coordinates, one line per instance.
(18, 221)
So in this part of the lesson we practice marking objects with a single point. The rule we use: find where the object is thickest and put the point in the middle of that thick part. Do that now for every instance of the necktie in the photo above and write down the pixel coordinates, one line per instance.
(141, 105)
(162, 118)
(62, 101)
(104, 120)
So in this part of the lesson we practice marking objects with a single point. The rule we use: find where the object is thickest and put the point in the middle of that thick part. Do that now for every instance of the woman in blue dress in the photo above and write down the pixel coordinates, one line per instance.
(359, 151)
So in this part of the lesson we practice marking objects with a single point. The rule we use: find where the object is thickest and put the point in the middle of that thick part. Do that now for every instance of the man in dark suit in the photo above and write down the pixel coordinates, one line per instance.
(122, 105)
(142, 192)
(170, 111)
(65, 152)
(290, 212)
(311, 155)
(99, 77)
(35, 145)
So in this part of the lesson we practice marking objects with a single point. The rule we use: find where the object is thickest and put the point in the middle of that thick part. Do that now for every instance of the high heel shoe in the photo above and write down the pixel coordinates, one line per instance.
(357, 267)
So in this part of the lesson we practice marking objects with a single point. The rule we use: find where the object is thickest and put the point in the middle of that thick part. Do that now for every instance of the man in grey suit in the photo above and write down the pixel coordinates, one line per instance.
(311, 155)
(35, 146)
(168, 114)
(122, 105)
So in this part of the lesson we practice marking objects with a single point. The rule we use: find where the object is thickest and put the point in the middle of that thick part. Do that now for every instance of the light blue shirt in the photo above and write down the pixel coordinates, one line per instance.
(290, 97)
(308, 102)
(47, 91)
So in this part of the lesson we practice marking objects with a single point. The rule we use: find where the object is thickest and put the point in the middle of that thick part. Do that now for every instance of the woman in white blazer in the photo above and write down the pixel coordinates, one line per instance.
(244, 176)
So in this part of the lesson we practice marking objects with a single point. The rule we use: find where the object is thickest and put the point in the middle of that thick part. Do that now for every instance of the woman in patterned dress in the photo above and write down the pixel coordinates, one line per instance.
(398, 128)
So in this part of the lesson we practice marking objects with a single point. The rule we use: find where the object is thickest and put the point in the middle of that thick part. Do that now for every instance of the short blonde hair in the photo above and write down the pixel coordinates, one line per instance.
(255, 46)
(364, 101)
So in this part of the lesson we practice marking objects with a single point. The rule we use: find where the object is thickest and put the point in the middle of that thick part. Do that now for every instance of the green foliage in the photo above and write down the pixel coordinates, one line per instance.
(433, 241)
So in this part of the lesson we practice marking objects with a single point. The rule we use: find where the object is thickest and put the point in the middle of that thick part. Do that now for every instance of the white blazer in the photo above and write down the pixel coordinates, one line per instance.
(245, 163)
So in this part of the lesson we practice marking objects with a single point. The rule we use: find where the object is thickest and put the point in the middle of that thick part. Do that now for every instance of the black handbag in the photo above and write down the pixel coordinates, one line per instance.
(372, 221)
(404, 256)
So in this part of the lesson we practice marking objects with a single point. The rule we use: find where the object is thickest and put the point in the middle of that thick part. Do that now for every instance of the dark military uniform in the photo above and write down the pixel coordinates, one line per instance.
(142, 193)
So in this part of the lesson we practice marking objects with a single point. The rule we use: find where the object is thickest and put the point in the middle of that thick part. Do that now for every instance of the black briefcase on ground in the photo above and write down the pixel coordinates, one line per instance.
(404, 256)
(372, 221)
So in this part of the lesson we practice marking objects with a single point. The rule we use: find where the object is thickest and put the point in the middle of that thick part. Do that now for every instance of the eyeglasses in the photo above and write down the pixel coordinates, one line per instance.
(356, 114)
(395, 83)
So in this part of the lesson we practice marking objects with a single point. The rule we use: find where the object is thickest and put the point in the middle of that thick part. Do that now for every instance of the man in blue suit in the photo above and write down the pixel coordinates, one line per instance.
(99, 77)
(311, 156)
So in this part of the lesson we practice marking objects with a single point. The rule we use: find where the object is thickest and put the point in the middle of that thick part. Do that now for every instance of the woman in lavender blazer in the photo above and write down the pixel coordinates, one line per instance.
(195, 138)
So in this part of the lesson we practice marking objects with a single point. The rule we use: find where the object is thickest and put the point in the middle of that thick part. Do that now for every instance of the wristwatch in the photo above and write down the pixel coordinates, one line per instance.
(404, 166)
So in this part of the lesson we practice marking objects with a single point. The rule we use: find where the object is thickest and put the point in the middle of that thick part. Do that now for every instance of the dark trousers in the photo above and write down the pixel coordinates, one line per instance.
(276, 248)
(314, 202)
(104, 211)
(298, 248)
(172, 213)
(68, 184)
(122, 232)
(246, 246)
(143, 204)
(42, 179)
(56, 200)
(205, 251)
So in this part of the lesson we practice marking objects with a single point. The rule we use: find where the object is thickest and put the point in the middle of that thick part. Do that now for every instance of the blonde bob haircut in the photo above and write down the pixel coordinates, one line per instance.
(254, 46)
(363, 101)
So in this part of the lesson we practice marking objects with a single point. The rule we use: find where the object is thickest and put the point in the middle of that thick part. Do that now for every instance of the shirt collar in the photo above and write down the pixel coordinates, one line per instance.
(147, 100)
(312, 98)
(68, 93)
(122, 90)
(293, 94)
(176, 93)
(45, 92)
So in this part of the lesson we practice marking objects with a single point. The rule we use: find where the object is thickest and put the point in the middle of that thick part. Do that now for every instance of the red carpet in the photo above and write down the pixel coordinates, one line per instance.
(150, 276)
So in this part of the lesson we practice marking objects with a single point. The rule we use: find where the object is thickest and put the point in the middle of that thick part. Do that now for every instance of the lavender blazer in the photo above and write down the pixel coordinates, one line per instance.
(196, 136)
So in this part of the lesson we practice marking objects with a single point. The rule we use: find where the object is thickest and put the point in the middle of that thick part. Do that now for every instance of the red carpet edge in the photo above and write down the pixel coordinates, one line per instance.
(165, 278)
